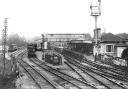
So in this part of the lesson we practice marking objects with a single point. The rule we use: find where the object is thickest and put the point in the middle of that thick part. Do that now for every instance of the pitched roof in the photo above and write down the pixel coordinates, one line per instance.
(109, 37)
(121, 44)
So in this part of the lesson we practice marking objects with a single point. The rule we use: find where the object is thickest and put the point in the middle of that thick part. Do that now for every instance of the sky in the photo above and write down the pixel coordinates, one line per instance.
(31, 18)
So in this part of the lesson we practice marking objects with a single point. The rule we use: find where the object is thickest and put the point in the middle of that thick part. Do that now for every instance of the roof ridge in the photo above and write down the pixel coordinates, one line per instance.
(111, 37)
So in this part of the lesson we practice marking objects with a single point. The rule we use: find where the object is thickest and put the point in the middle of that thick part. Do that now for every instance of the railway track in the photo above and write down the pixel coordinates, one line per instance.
(121, 68)
(32, 77)
(18, 54)
(102, 69)
(100, 76)
(101, 82)
(38, 77)
(70, 79)
(81, 57)
(109, 69)
(95, 79)
(94, 72)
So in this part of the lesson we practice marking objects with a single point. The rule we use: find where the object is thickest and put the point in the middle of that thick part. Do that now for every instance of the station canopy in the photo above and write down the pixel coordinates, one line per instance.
(81, 40)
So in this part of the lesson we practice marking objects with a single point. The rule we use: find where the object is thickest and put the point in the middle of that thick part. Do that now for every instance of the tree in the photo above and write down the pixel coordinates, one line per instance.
(16, 39)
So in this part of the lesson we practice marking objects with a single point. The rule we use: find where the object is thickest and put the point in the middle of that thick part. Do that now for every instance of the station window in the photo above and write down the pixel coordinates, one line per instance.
(109, 48)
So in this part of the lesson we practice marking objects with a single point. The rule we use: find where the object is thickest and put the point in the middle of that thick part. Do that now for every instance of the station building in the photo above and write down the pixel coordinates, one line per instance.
(112, 46)
(59, 40)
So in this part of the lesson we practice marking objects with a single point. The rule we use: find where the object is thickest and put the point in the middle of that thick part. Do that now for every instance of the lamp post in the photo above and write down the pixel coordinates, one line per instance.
(43, 55)
(96, 12)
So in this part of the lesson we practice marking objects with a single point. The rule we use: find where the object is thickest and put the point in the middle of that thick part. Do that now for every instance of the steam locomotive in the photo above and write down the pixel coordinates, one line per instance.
(31, 50)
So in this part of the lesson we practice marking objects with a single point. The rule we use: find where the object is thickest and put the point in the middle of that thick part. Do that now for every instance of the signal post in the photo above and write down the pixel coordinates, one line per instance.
(96, 12)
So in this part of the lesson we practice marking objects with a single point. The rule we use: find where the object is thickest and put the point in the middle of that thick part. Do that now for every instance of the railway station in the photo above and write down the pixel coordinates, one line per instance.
(65, 60)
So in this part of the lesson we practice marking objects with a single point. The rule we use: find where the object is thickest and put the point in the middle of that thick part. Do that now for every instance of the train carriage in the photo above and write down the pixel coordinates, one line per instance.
(12, 47)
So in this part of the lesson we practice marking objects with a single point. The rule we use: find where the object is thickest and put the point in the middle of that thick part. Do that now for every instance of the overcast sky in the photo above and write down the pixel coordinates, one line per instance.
(31, 18)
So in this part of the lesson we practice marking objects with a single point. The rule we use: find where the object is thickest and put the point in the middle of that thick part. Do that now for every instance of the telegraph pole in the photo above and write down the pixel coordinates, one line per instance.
(96, 12)
(4, 37)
